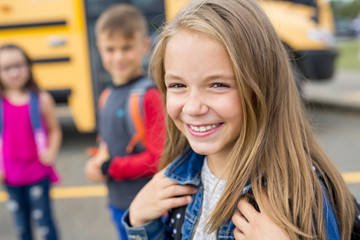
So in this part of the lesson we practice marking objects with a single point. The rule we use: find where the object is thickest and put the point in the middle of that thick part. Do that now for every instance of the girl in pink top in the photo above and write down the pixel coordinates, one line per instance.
(27, 153)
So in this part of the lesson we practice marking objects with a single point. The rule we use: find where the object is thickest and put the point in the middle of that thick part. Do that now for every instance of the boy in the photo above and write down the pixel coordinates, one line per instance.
(122, 40)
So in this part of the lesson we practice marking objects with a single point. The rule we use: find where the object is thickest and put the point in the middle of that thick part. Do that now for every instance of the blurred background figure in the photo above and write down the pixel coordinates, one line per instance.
(131, 121)
(30, 140)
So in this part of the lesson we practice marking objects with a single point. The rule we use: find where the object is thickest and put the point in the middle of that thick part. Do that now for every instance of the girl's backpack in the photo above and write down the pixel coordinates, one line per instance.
(355, 234)
(175, 222)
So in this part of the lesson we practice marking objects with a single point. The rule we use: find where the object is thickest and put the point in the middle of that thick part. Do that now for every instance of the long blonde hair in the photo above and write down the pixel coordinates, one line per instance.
(276, 141)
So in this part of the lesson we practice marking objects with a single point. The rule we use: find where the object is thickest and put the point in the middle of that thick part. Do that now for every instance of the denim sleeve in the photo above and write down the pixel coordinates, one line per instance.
(153, 230)
(331, 225)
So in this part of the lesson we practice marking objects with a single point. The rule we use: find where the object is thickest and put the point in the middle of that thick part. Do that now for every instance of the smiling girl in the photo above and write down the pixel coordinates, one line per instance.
(240, 154)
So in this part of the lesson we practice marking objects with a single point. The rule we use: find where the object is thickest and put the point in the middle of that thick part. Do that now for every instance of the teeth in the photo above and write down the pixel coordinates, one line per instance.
(203, 128)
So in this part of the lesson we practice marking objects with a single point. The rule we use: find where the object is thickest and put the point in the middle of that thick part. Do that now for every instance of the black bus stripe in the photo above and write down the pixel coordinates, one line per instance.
(51, 60)
(33, 25)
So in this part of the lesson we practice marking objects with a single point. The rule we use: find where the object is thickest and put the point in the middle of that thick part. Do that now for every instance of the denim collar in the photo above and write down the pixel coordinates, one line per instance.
(186, 168)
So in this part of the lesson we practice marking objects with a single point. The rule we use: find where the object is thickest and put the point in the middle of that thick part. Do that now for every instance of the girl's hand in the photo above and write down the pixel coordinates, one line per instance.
(2, 177)
(251, 224)
(47, 157)
(158, 196)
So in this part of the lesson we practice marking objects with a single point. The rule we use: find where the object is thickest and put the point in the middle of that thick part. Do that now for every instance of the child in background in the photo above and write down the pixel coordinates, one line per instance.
(239, 153)
(123, 41)
(30, 140)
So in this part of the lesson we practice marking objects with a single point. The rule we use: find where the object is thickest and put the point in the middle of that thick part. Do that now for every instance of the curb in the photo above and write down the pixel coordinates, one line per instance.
(332, 105)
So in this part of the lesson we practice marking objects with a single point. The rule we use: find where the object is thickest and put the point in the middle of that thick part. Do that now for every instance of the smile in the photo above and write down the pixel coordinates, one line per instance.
(204, 128)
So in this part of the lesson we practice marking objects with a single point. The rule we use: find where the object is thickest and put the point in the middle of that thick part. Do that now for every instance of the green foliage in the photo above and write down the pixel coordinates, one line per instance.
(346, 10)
(348, 54)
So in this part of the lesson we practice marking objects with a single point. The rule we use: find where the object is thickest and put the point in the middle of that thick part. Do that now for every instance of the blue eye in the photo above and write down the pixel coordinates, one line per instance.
(176, 85)
(219, 85)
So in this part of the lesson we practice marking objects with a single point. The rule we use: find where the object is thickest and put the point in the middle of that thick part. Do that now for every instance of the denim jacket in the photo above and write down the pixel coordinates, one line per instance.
(184, 170)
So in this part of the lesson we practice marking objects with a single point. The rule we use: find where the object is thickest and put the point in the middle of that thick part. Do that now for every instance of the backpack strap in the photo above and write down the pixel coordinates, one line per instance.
(1, 133)
(135, 115)
(104, 97)
(37, 123)
(1, 116)
(355, 234)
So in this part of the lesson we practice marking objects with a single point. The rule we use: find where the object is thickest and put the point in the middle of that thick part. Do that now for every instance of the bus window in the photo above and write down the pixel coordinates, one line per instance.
(311, 3)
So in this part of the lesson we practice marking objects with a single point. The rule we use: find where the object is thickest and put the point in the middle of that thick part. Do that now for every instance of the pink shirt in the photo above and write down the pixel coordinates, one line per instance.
(21, 162)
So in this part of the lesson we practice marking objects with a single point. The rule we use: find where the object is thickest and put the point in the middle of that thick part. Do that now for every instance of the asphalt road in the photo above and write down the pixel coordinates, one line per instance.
(338, 132)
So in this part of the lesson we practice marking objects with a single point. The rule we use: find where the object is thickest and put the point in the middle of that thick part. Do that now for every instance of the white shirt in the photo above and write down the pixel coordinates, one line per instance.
(213, 188)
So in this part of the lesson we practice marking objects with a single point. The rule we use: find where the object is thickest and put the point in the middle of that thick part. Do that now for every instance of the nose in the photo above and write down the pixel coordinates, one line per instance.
(195, 104)
(14, 71)
(118, 55)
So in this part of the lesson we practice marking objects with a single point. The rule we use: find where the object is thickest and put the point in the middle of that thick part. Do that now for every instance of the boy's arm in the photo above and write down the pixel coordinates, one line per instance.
(145, 163)
(93, 165)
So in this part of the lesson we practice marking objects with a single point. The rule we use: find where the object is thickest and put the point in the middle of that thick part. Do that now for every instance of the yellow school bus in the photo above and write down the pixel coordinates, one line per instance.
(306, 27)
(59, 36)
(54, 35)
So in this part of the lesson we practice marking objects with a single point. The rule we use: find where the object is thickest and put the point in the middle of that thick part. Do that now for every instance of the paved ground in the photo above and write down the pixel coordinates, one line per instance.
(343, 91)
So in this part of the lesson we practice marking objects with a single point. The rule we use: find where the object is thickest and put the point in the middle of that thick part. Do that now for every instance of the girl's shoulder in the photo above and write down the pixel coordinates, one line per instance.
(46, 100)
(44, 96)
